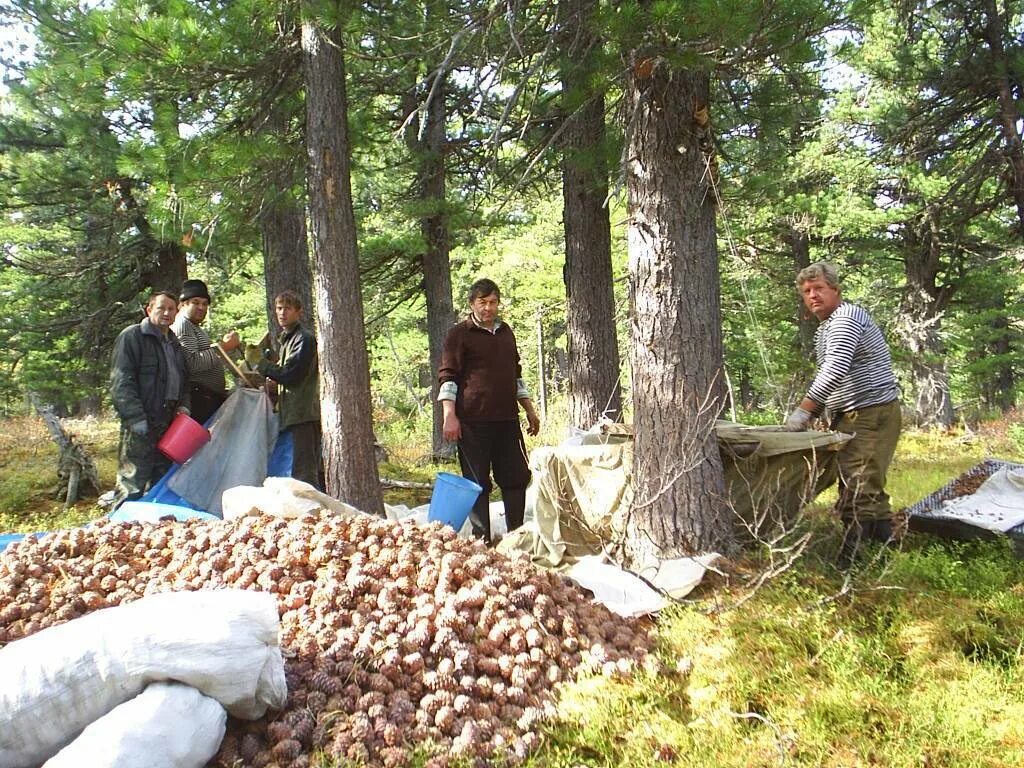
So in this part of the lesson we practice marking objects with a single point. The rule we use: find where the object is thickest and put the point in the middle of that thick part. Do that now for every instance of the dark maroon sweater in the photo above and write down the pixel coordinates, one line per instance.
(485, 366)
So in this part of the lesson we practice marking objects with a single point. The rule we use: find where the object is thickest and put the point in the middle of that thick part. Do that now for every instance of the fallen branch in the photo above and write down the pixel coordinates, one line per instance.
(75, 468)
(389, 483)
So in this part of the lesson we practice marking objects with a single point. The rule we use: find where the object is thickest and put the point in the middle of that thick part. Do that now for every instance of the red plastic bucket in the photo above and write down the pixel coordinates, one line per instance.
(183, 438)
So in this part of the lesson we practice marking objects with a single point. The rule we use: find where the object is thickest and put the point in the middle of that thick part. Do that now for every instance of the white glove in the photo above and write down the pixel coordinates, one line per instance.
(798, 421)
(140, 427)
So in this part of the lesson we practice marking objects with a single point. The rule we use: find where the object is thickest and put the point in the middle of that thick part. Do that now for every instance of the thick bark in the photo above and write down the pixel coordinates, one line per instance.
(800, 248)
(282, 222)
(1008, 116)
(676, 349)
(437, 277)
(167, 269)
(998, 387)
(920, 324)
(594, 389)
(349, 464)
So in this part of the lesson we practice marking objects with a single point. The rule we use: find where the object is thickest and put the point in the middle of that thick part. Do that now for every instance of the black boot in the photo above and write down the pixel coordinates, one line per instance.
(878, 530)
(858, 532)
(852, 536)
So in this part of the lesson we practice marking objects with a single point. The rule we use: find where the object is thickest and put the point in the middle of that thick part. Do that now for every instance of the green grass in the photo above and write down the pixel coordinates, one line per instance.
(915, 661)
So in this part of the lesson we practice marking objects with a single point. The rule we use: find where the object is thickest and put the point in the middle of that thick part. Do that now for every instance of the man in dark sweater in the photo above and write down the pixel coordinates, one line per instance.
(481, 391)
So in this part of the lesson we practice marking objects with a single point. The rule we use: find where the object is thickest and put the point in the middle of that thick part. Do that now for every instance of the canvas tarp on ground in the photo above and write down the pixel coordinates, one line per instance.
(949, 513)
(580, 493)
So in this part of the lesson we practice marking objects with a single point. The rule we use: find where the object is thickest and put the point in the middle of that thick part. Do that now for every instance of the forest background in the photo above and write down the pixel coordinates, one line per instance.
(642, 179)
(142, 141)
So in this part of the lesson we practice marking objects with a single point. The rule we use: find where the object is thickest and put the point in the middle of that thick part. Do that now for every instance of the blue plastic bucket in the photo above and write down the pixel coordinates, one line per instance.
(452, 499)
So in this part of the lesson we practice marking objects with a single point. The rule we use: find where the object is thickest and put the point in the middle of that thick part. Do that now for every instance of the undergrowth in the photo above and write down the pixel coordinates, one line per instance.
(914, 659)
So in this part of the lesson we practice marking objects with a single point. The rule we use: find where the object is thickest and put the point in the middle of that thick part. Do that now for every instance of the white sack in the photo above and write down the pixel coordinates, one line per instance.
(281, 497)
(168, 725)
(56, 682)
(628, 595)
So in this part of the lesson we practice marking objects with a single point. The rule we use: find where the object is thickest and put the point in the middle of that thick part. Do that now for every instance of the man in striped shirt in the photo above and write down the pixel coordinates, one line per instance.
(205, 369)
(856, 388)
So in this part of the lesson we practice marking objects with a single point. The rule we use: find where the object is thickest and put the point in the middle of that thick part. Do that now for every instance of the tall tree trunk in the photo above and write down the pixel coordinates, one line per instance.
(920, 324)
(676, 350)
(282, 222)
(998, 387)
(430, 152)
(346, 411)
(594, 388)
(1009, 115)
(800, 248)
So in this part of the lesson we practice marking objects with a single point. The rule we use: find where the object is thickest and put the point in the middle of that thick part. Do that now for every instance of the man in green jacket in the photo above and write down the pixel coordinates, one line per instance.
(298, 383)
(148, 386)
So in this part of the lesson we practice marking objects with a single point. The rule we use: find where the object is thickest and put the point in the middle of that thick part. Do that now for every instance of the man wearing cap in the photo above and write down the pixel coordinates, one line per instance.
(205, 368)
(148, 386)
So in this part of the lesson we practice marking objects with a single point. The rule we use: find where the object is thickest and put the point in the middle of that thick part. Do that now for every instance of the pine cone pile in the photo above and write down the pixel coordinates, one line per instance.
(394, 634)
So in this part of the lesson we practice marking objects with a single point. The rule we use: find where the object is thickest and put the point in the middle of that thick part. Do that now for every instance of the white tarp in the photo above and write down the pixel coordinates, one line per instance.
(628, 595)
(997, 505)
(242, 437)
(281, 497)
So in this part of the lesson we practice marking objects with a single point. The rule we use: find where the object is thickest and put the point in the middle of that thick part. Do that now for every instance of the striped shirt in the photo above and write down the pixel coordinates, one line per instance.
(204, 364)
(854, 364)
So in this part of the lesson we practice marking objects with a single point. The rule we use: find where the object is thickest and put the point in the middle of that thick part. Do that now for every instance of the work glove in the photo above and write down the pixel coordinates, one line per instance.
(140, 428)
(183, 409)
(253, 354)
(798, 421)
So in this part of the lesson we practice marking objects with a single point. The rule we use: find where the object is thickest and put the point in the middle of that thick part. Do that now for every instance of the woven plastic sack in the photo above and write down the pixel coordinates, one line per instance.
(56, 682)
(168, 725)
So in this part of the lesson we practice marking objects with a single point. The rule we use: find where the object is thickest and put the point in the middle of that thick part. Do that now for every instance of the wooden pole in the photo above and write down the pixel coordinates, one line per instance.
(542, 388)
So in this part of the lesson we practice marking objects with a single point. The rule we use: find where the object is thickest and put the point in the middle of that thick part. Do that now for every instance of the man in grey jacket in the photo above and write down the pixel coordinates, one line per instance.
(148, 386)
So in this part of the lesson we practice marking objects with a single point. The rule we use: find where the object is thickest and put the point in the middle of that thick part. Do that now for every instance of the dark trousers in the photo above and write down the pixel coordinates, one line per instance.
(140, 464)
(306, 452)
(205, 402)
(496, 446)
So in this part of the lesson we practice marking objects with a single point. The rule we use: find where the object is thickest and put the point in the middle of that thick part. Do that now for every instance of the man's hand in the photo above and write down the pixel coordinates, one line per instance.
(231, 341)
(183, 409)
(450, 428)
(140, 428)
(533, 423)
(270, 387)
(798, 421)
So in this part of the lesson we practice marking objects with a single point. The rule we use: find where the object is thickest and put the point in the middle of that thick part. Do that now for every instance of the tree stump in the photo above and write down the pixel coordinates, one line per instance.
(76, 471)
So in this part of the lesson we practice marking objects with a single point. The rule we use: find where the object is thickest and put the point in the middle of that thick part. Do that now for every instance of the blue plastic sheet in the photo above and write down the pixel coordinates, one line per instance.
(10, 538)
